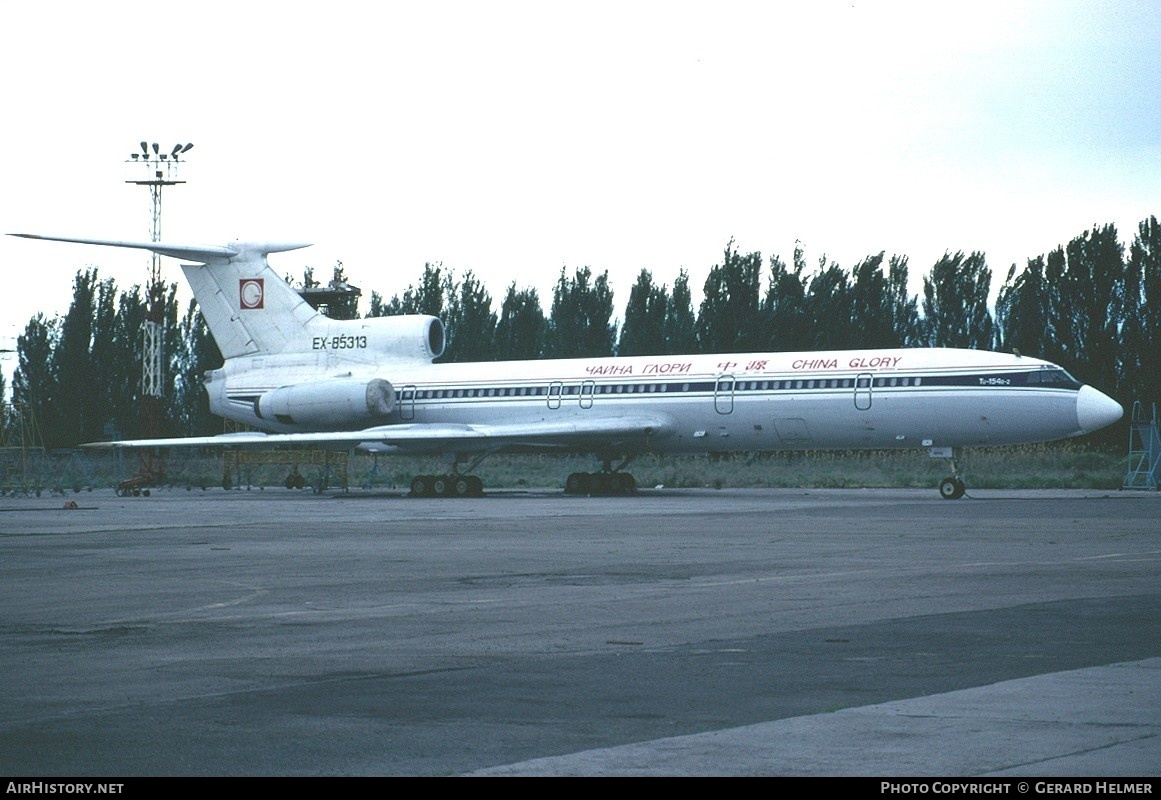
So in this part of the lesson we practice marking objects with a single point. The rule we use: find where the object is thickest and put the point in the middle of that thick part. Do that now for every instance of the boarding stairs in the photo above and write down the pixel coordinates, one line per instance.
(1144, 451)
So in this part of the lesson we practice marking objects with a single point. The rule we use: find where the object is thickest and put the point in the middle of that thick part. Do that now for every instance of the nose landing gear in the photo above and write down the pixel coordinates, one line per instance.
(952, 487)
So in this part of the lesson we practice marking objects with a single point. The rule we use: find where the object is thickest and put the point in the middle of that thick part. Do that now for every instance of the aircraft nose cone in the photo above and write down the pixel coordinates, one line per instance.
(1095, 409)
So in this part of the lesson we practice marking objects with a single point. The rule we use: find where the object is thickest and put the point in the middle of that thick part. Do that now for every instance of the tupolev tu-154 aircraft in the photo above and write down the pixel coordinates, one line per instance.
(301, 378)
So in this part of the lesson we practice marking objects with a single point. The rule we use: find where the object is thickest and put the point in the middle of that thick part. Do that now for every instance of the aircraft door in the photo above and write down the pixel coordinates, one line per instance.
(724, 394)
(863, 391)
(555, 390)
(407, 402)
(587, 390)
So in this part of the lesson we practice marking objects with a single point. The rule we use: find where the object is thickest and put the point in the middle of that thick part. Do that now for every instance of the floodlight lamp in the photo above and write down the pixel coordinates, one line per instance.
(156, 149)
(187, 148)
(176, 150)
(134, 156)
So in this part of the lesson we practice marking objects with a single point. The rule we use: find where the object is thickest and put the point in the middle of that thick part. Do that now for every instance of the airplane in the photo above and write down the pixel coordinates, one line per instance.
(302, 379)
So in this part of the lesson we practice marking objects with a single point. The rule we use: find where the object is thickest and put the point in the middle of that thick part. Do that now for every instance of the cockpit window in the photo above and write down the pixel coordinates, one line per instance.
(1053, 377)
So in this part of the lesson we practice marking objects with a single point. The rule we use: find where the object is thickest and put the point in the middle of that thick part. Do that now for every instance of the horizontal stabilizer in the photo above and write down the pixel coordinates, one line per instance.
(192, 252)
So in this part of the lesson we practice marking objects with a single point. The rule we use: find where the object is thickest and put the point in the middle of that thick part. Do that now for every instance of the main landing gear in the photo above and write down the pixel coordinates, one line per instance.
(447, 486)
(600, 483)
(607, 481)
(453, 485)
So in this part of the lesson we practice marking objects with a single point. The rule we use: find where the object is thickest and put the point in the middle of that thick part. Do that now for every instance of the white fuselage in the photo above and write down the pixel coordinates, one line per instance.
(909, 398)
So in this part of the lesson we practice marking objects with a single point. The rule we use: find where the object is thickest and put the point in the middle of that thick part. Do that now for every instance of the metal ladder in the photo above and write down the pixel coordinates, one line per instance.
(1144, 451)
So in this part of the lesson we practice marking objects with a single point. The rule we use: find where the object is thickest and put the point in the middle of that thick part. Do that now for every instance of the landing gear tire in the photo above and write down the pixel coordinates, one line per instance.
(622, 483)
(577, 483)
(951, 489)
(421, 486)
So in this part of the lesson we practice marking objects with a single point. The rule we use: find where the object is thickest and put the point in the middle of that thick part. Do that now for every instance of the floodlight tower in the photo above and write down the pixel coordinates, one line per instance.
(161, 171)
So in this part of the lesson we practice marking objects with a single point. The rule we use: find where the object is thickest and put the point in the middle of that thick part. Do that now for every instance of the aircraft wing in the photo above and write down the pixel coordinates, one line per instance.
(441, 437)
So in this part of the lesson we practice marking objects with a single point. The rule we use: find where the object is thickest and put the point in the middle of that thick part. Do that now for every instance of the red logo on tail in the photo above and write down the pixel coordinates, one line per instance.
(250, 291)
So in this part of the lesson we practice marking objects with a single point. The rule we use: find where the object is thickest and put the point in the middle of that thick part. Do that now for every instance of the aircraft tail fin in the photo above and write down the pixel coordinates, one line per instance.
(249, 309)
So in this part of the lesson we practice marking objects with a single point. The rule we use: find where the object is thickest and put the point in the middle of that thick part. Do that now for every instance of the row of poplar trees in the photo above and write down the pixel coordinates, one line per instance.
(1092, 306)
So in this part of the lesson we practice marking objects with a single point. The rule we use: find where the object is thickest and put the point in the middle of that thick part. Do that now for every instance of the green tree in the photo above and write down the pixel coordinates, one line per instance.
(729, 320)
(198, 354)
(102, 354)
(1058, 346)
(168, 423)
(34, 387)
(882, 312)
(785, 320)
(1022, 319)
(521, 328)
(680, 322)
(77, 417)
(378, 307)
(1142, 318)
(828, 302)
(643, 332)
(955, 303)
(125, 366)
(904, 307)
(471, 323)
(580, 325)
(1093, 302)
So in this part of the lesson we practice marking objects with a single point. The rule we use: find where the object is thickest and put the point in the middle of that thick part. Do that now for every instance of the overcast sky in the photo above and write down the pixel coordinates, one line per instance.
(514, 138)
